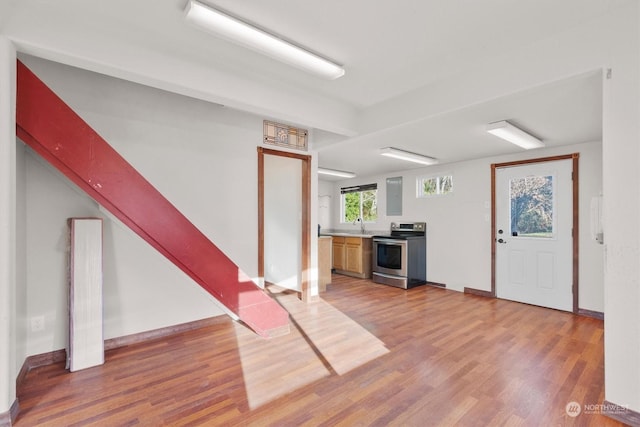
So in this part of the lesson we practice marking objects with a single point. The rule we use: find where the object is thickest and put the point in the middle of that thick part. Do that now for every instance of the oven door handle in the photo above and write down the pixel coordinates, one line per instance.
(391, 242)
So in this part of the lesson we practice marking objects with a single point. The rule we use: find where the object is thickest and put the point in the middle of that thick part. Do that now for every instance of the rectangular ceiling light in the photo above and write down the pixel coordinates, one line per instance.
(334, 172)
(239, 32)
(408, 156)
(505, 130)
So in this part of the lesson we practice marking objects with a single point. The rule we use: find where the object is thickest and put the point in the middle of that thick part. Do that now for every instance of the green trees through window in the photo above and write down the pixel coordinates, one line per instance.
(435, 185)
(532, 206)
(360, 204)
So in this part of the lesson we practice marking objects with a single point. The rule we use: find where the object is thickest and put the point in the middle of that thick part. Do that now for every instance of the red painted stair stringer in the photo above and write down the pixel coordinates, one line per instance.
(60, 136)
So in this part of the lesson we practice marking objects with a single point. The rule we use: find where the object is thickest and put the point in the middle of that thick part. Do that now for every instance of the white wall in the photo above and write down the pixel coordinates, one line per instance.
(325, 204)
(621, 156)
(459, 227)
(21, 256)
(201, 156)
(8, 233)
(140, 287)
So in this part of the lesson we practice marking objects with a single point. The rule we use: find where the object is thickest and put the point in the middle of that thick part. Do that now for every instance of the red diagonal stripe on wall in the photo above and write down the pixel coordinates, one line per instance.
(60, 136)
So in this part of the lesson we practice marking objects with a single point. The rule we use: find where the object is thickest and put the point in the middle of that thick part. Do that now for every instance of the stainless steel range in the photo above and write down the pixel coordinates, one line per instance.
(400, 258)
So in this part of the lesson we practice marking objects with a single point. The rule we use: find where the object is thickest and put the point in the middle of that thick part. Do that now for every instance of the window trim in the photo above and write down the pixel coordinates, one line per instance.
(358, 188)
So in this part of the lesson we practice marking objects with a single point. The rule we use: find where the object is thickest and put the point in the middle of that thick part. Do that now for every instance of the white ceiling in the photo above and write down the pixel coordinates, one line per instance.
(562, 113)
(389, 50)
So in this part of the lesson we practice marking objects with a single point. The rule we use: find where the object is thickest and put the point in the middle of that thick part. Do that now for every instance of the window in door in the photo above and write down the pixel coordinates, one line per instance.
(360, 201)
(531, 205)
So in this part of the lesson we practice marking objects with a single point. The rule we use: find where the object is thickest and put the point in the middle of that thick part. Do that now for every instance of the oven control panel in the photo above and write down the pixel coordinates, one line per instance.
(409, 226)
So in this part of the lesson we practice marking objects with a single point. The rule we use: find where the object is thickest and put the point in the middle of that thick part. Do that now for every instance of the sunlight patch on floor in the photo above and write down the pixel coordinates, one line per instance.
(266, 376)
(343, 343)
(325, 342)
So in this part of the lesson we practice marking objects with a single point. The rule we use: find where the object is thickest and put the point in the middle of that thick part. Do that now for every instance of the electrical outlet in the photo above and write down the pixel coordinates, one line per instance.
(37, 323)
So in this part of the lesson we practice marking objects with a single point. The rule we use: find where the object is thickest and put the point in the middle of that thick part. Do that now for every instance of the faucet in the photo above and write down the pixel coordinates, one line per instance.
(361, 221)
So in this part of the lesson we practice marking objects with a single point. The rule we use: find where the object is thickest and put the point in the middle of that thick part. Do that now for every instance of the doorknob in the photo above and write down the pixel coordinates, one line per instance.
(502, 241)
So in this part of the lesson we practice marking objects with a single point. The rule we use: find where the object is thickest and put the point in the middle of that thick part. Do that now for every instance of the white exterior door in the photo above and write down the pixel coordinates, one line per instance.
(534, 244)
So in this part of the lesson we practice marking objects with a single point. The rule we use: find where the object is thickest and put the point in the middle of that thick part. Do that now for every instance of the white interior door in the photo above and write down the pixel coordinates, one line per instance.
(534, 244)
(283, 221)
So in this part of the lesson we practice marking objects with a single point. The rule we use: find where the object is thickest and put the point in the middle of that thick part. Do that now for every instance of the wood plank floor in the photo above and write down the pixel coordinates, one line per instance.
(366, 354)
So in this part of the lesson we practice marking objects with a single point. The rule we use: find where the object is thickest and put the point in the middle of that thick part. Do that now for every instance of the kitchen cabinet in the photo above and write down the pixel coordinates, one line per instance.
(352, 256)
(338, 253)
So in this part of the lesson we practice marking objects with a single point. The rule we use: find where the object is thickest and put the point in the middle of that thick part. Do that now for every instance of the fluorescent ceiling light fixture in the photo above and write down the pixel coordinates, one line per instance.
(234, 30)
(505, 130)
(333, 172)
(408, 156)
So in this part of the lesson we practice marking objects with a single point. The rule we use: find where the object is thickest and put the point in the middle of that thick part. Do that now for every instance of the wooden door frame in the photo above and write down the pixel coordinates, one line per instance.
(305, 292)
(575, 218)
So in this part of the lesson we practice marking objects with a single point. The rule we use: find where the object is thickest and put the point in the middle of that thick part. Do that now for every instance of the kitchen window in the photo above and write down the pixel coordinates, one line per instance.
(359, 201)
(428, 186)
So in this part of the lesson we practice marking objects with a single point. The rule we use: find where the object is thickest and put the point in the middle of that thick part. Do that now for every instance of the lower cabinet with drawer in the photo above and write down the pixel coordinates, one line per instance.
(352, 256)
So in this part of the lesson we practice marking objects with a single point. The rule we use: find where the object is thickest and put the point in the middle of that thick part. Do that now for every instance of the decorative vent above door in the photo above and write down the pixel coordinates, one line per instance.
(285, 136)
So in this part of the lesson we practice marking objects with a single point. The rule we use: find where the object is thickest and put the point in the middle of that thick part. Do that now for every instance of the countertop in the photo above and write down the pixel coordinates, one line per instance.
(354, 233)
